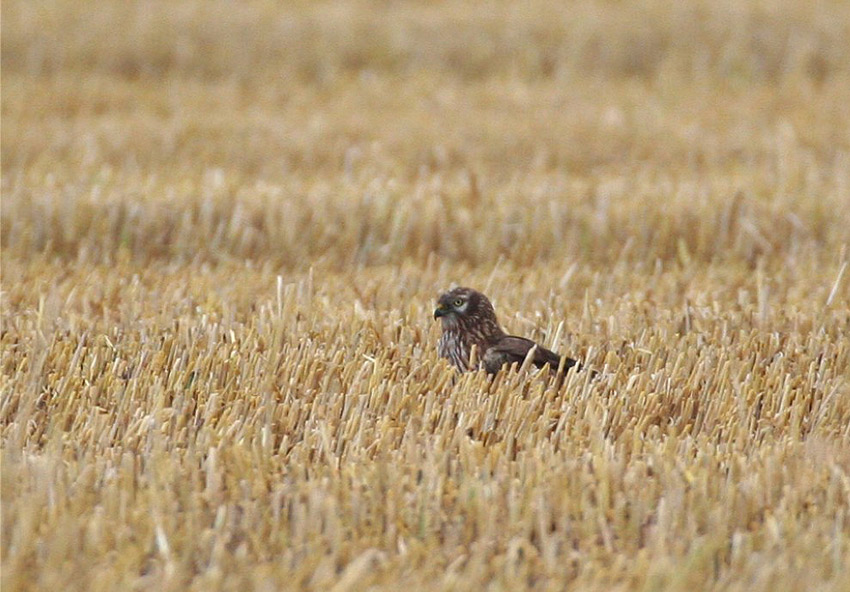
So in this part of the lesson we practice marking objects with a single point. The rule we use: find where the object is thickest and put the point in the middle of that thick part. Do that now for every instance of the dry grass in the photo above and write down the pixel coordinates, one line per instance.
(223, 231)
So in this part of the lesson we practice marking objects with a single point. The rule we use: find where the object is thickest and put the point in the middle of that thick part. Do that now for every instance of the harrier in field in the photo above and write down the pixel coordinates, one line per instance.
(469, 320)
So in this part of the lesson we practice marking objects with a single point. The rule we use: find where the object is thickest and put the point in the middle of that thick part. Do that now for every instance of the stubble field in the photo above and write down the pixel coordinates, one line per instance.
(223, 232)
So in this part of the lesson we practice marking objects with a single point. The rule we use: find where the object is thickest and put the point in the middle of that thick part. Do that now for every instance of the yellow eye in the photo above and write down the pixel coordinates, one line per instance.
(458, 302)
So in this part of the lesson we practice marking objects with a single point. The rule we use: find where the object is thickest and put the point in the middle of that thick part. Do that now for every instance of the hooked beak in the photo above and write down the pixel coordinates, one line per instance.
(441, 312)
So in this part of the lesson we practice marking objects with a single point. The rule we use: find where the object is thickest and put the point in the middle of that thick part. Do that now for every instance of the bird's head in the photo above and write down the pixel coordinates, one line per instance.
(463, 306)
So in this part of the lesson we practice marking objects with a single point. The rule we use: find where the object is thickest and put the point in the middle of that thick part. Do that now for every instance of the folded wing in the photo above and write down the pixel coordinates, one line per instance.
(510, 349)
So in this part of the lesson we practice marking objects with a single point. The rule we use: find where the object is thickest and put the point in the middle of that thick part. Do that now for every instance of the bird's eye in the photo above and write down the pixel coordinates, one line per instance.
(458, 302)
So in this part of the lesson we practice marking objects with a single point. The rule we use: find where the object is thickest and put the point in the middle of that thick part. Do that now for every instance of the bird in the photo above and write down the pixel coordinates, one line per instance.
(469, 319)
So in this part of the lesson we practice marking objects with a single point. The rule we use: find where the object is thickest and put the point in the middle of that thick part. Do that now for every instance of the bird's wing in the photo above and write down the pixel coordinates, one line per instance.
(509, 349)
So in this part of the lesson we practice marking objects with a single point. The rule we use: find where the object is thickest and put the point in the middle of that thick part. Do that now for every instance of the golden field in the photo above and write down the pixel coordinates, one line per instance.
(224, 227)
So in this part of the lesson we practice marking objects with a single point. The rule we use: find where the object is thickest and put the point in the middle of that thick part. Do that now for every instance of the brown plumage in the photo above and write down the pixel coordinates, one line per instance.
(468, 319)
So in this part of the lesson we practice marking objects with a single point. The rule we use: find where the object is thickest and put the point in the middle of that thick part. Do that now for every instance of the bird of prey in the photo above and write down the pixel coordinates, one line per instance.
(469, 320)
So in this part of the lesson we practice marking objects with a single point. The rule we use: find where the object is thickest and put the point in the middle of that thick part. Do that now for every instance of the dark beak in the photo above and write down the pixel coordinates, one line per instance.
(440, 312)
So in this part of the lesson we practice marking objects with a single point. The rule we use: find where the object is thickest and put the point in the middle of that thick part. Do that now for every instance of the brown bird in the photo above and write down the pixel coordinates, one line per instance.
(468, 319)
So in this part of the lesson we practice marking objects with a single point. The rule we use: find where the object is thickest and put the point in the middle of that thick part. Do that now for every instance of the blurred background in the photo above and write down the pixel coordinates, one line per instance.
(370, 133)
